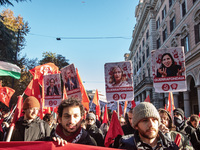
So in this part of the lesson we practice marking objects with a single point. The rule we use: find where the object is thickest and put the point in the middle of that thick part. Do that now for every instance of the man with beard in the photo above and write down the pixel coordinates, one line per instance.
(30, 127)
(70, 115)
(146, 120)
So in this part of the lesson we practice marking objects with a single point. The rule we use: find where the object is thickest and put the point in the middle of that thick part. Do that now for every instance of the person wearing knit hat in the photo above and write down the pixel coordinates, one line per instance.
(93, 130)
(168, 129)
(144, 110)
(91, 118)
(31, 102)
(178, 112)
(30, 127)
(146, 120)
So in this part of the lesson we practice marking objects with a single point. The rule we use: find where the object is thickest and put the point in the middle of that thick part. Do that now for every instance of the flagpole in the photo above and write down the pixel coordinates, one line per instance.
(12, 126)
(118, 109)
(172, 100)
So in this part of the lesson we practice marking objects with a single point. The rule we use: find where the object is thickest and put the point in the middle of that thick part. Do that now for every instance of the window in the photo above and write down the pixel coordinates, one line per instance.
(172, 24)
(164, 12)
(164, 34)
(143, 75)
(158, 23)
(197, 33)
(147, 52)
(183, 6)
(143, 58)
(140, 63)
(147, 34)
(158, 43)
(171, 2)
(143, 42)
(185, 43)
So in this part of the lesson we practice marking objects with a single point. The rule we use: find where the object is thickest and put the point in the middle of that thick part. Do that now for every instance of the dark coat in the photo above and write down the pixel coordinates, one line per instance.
(55, 91)
(171, 71)
(67, 84)
(96, 133)
(133, 142)
(32, 131)
(194, 135)
(84, 139)
(127, 129)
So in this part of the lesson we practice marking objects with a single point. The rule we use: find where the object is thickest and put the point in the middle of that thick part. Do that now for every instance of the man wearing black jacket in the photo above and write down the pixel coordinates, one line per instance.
(70, 115)
(93, 130)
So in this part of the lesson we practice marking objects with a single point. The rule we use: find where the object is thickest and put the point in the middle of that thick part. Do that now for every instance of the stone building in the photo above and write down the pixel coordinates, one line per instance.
(163, 24)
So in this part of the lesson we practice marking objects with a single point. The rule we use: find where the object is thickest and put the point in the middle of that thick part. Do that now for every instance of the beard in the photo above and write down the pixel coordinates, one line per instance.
(69, 131)
(146, 133)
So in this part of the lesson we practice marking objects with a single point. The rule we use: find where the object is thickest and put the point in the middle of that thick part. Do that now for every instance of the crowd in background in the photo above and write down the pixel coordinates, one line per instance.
(144, 127)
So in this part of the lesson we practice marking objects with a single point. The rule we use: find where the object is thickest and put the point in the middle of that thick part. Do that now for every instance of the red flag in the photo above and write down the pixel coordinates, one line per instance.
(114, 130)
(56, 109)
(1, 125)
(85, 99)
(147, 99)
(133, 104)
(125, 106)
(6, 94)
(105, 116)
(171, 106)
(45, 69)
(18, 110)
(96, 102)
(120, 110)
(33, 89)
(177, 139)
(165, 107)
(64, 92)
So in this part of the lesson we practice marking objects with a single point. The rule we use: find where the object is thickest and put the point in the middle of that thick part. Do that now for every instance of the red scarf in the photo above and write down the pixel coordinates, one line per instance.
(70, 138)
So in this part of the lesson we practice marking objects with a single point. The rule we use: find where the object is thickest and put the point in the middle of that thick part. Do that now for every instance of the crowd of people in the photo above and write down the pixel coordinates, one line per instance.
(144, 127)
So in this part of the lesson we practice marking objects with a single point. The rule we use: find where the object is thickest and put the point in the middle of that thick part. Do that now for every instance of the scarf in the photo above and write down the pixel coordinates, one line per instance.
(71, 138)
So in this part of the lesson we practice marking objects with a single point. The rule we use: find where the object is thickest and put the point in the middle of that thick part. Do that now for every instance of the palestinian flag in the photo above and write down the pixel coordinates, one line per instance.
(8, 69)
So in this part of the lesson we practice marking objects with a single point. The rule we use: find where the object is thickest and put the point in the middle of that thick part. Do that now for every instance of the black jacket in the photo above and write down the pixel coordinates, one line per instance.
(96, 133)
(37, 130)
(84, 137)
(133, 142)
(194, 135)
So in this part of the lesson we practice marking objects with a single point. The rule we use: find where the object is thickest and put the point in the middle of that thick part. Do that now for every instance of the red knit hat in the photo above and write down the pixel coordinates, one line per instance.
(31, 102)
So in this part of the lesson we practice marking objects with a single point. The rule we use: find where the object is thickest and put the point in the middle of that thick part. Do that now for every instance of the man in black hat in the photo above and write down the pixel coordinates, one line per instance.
(184, 128)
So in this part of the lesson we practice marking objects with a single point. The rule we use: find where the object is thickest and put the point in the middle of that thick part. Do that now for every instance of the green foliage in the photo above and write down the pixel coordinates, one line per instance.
(8, 2)
(58, 59)
(13, 32)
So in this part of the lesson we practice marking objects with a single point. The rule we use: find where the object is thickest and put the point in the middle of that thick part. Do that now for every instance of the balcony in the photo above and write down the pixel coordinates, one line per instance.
(145, 81)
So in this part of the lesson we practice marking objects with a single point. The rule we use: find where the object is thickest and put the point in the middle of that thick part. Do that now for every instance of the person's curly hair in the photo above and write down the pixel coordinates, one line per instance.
(70, 102)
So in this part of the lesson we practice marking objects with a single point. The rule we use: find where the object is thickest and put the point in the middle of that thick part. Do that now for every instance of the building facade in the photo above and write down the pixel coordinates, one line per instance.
(163, 24)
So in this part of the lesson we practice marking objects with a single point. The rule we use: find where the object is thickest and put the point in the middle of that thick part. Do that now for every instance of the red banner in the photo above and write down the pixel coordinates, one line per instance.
(46, 146)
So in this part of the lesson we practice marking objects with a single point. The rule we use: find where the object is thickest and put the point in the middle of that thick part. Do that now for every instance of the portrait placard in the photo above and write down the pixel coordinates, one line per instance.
(52, 90)
(168, 68)
(119, 81)
(70, 81)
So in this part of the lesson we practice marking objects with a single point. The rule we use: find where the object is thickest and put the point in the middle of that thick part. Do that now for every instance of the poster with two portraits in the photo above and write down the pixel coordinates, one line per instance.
(168, 68)
(52, 86)
(119, 81)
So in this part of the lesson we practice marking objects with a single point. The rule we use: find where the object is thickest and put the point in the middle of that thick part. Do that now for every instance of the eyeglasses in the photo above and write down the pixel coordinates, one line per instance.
(122, 122)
